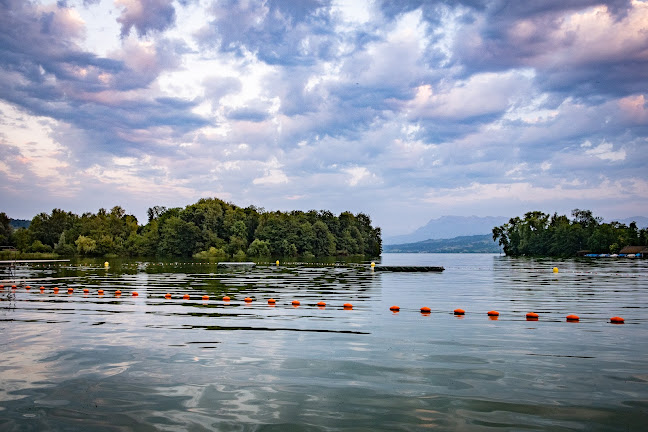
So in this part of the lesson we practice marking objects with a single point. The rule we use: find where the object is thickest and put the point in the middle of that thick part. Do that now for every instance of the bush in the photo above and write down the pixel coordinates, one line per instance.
(239, 256)
(38, 246)
(212, 253)
(259, 248)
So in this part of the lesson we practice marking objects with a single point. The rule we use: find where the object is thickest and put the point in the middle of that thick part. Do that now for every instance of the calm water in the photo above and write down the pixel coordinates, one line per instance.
(89, 362)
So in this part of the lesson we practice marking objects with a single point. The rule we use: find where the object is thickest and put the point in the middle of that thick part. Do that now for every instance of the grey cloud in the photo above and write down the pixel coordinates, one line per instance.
(146, 16)
(278, 31)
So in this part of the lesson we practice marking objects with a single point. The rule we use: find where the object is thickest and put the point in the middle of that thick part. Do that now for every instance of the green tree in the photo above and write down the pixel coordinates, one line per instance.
(85, 245)
(177, 237)
(259, 248)
(6, 231)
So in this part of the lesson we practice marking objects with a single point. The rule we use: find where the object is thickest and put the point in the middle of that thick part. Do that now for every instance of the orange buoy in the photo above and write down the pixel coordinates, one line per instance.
(247, 300)
(70, 290)
(13, 286)
(617, 320)
(459, 312)
(205, 297)
(186, 297)
(135, 294)
(27, 287)
(167, 295)
(296, 303)
(425, 310)
(572, 317)
(321, 304)
(493, 313)
(86, 290)
(56, 289)
(532, 316)
(42, 289)
(347, 306)
(226, 298)
(100, 292)
(272, 301)
(118, 292)
(394, 308)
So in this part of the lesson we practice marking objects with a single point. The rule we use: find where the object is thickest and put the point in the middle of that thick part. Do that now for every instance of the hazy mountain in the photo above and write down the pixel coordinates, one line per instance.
(19, 223)
(463, 244)
(447, 227)
(642, 221)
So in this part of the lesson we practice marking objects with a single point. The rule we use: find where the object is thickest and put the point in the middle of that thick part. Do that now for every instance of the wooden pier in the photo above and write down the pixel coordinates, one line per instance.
(409, 268)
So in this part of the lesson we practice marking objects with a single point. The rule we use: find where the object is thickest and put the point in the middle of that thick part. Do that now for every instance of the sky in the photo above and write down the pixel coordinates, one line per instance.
(403, 110)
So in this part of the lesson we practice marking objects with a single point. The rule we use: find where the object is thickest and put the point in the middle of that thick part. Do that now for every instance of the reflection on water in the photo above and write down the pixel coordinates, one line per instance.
(101, 362)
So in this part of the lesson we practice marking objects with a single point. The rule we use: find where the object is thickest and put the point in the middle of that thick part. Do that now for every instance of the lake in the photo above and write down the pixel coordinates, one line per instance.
(85, 361)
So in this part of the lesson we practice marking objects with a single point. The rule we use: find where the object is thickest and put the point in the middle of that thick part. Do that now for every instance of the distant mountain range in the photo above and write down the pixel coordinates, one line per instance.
(19, 223)
(450, 227)
(447, 227)
(463, 244)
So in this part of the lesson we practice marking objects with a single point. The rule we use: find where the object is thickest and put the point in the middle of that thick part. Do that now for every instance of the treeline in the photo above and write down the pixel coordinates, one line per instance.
(540, 234)
(210, 228)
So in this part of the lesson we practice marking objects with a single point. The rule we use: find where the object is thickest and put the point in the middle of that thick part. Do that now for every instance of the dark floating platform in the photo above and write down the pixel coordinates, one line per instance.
(236, 265)
(409, 268)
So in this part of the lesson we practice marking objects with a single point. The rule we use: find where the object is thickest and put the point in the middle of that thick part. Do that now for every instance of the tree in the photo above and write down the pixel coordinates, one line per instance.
(259, 248)
(6, 231)
(85, 245)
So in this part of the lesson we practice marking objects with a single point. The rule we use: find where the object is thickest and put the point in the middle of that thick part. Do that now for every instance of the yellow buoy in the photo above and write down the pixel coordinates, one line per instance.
(373, 264)
(277, 262)
(106, 264)
(555, 269)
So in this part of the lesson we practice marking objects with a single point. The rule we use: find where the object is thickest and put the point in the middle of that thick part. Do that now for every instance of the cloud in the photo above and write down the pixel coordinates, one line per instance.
(145, 16)
(399, 109)
(580, 47)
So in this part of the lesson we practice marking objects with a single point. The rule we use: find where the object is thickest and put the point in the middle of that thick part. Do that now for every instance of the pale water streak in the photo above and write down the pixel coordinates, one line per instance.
(88, 362)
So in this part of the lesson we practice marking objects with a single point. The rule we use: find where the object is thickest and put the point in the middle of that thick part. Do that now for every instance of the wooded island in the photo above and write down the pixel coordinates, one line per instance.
(541, 234)
(210, 228)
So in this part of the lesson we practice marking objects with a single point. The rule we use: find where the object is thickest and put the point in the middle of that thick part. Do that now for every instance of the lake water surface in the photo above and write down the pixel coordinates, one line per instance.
(84, 361)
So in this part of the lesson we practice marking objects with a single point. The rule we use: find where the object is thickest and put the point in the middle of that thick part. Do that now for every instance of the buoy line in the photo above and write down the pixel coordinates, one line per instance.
(425, 310)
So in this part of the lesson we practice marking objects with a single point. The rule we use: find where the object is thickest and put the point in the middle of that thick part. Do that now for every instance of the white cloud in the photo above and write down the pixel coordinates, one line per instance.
(606, 151)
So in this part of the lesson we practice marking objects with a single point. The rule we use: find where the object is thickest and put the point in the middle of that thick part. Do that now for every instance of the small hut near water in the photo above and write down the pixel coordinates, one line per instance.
(634, 250)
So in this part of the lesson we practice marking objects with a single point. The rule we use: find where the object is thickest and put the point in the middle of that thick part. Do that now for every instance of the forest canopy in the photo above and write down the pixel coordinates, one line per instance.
(541, 234)
(210, 228)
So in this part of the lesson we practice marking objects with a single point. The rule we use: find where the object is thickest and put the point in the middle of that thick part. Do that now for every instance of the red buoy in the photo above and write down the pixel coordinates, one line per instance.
(347, 306)
(296, 303)
(321, 304)
(532, 316)
(459, 312)
(426, 310)
(617, 320)
(493, 313)
(394, 308)
(135, 294)
(573, 317)
(186, 297)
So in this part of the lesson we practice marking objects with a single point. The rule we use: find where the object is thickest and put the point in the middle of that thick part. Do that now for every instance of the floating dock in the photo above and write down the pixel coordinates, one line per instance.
(236, 265)
(409, 268)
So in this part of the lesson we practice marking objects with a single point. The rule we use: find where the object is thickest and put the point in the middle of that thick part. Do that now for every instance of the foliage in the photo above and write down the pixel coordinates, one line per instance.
(6, 230)
(210, 228)
(540, 234)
